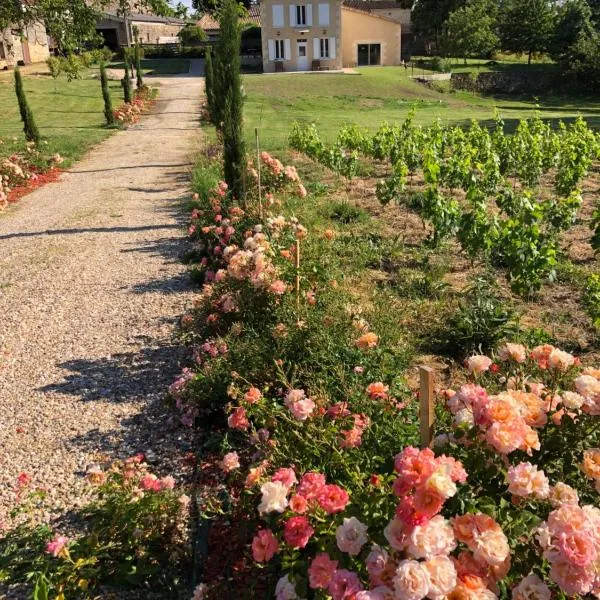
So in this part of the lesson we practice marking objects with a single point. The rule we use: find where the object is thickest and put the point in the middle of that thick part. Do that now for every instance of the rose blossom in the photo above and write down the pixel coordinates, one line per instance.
(516, 352)
(440, 482)
(274, 497)
(559, 360)
(591, 463)
(531, 588)
(321, 571)
(491, 547)
(381, 592)
(299, 405)
(526, 480)
(298, 504)
(344, 585)
(572, 400)
(167, 483)
(252, 396)
(434, 538)
(376, 564)
(286, 475)
(310, 485)
(367, 341)
(297, 531)
(397, 534)
(351, 536)
(411, 581)
(57, 546)
(333, 498)
(478, 364)
(561, 494)
(230, 462)
(285, 590)
(442, 576)
(200, 591)
(264, 546)
(238, 419)
(377, 390)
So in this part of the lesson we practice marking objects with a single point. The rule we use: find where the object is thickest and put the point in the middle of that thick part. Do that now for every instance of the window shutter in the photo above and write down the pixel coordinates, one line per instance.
(331, 47)
(293, 22)
(288, 50)
(316, 49)
(271, 49)
(278, 15)
(309, 15)
(324, 15)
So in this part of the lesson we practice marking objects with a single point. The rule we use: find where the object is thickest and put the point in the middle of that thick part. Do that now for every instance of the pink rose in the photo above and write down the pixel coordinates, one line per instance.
(57, 545)
(264, 546)
(297, 531)
(311, 485)
(285, 476)
(252, 396)
(332, 498)
(478, 364)
(298, 504)
(321, 571)
(238, 419)
(344, 585)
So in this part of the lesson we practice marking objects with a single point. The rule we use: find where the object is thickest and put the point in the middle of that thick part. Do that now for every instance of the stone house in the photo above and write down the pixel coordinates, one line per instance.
(22, 47)
(329, 34)
(118, 31)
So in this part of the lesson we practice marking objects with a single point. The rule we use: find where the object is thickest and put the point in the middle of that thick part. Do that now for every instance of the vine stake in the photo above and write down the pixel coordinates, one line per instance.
(426, 412)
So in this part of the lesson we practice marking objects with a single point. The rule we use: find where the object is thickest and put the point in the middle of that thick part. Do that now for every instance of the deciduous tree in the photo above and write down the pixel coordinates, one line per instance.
(526, 26)
(471, 30)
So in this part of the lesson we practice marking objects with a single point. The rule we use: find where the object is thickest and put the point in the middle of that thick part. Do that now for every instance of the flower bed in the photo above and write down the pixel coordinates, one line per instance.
(22, 169)
(129, 113)
(318, 455)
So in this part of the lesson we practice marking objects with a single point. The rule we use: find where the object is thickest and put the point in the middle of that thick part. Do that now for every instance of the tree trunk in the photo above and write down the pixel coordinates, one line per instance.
(530, 55)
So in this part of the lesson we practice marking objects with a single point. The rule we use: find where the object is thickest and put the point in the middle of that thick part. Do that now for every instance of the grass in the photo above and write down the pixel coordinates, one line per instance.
(380, 94)
(69, 115)
(160, 66)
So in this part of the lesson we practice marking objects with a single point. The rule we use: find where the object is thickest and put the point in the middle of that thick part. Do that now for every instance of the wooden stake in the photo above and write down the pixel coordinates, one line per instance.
(298, 279)
(426, 412)
(260, 207)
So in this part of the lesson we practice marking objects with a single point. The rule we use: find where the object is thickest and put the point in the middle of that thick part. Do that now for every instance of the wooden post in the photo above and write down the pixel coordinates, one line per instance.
(260, 207)
(426, 411)
(298, 280)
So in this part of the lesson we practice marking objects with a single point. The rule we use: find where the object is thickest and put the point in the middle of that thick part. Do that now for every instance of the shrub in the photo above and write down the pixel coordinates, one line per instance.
(192, 34)
(591, 299)
(108, 109)
(230, 97)
(481, 321)
(441, 65)
(135, 536)
(55, 67)
(127, 92)
(71, 66)
(209, 84)
(138, 68)
(29, 127)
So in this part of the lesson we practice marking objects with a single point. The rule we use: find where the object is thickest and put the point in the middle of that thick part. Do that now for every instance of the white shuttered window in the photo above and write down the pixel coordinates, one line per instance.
(324, 15)
(278, 20)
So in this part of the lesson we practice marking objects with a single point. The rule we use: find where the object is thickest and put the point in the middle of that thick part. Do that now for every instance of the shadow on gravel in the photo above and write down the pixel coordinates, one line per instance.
(121, 377)
(88, 230)
(173, 285)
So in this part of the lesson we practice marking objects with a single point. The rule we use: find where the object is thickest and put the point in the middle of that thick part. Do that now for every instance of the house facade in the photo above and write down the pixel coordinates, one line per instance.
(118, 31)
(22, 47)
(301, 37)
(370, 39)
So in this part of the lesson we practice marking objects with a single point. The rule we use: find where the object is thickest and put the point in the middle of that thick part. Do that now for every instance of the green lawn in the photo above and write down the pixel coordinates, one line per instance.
(71, 118)
(160, 66)
(379, 94)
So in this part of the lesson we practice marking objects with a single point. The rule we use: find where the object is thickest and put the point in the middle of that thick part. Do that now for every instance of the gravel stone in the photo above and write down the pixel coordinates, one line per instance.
(91, 289)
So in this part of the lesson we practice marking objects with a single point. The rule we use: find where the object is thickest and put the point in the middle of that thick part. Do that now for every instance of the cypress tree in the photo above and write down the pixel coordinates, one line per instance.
(29, 127)
(234, 153)
(127, 82)
(209, 83)
(138, 68)
(108, 109)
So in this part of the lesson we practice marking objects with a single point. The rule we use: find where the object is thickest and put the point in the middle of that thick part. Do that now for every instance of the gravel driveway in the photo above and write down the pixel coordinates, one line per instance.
(90, 291)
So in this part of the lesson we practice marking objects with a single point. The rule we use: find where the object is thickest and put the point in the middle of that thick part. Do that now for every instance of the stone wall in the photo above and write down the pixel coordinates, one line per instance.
(11, 42)
(503, 82)
(156, 33)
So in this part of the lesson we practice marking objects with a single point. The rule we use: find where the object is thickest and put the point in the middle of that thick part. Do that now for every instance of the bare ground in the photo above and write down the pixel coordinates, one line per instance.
(91, 287)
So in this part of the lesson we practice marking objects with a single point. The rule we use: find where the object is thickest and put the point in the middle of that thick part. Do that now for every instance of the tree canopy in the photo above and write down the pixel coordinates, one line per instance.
(471, 30)
(526, 26)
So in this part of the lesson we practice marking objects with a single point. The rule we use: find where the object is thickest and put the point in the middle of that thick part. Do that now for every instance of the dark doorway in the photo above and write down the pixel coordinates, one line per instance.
(110, 36)
(369, 54)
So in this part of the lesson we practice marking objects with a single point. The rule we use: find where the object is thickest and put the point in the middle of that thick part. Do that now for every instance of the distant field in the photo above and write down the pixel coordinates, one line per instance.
(379, 94)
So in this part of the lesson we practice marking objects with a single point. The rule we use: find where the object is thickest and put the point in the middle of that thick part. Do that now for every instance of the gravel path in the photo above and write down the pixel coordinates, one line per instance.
(90, 291)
